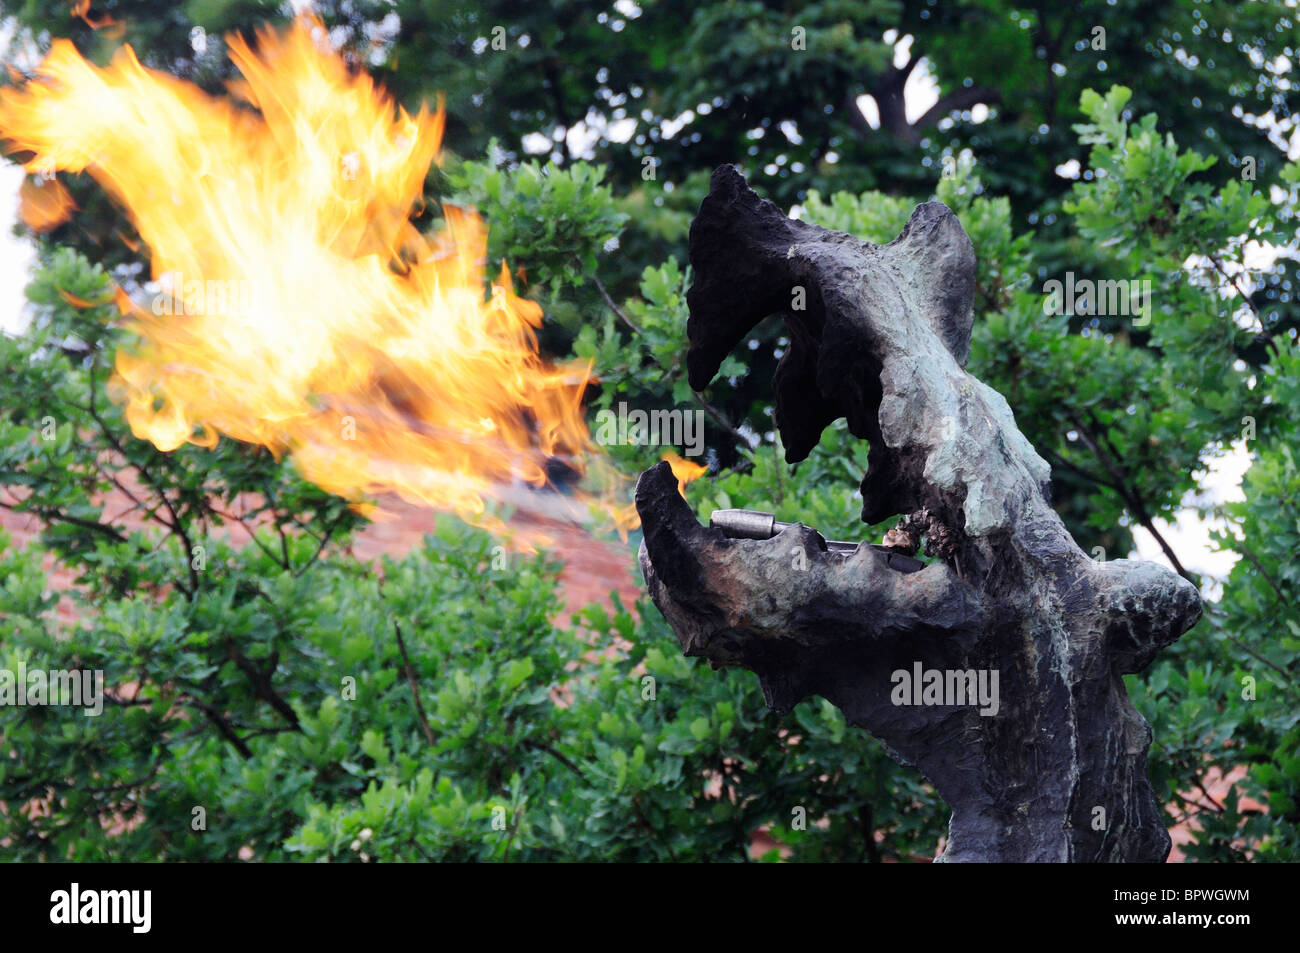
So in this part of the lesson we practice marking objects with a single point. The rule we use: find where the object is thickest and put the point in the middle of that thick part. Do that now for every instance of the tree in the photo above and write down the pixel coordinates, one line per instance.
(1124, 412)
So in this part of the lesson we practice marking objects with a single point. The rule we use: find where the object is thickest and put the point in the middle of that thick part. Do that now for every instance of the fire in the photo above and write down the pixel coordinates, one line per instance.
(684, 470)
(299, 307)
(44, 204)
(81, 10)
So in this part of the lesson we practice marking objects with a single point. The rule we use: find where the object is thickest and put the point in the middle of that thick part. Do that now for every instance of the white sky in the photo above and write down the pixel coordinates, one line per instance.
(16, 254)
(1189, 536)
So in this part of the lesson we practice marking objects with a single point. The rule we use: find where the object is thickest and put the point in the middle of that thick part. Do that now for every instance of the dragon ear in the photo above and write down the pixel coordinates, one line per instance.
(934, 259)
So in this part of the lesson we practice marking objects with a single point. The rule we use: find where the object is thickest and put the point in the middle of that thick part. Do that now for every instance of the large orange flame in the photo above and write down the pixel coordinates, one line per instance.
(300, 308)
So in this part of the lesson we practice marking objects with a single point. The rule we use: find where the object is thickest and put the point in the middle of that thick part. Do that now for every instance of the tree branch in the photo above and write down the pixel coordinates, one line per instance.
(609, 302)
(415, 691)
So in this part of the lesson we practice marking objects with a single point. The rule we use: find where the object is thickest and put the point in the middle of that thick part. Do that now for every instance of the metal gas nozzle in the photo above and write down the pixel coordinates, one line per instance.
(752, 524)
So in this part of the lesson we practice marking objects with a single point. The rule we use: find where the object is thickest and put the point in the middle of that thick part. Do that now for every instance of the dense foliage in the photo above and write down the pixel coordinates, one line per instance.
(444, 706)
